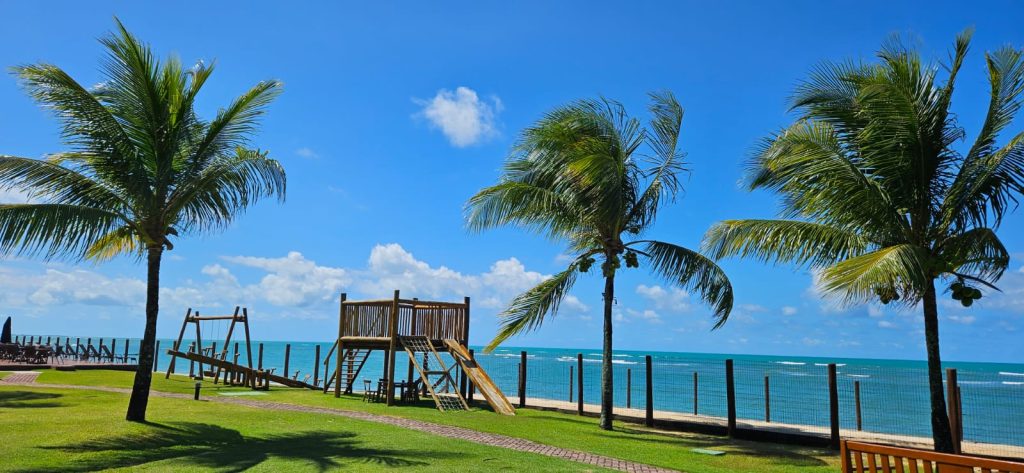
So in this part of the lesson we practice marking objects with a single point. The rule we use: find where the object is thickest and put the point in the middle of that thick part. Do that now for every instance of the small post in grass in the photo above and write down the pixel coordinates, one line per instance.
(649, 418)
(730, 394)
(833, 407)
(767, 401)
(199, 385)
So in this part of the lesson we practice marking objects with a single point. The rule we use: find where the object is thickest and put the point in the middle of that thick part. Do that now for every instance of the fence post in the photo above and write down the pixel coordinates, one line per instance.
(156, 356)
(128, 341)
(730, 394)
(767, 401)
(316, 365)
(572, 371)
(629, 387)
(260, 362)
(191, 363)
(649, 418)
(579, 383)
(856, 401)
(522, 379)
(833, 406)
(694, 393)
(952, 408)
(287, 357)
(113, 347)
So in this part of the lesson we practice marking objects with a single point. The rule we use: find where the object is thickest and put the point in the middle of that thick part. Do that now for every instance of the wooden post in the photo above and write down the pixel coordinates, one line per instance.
(78, 348)
(128, 341)
(191, 364)
(389, 357)
(649, 418)
(47, 339)
(694, 393)
(338, 352)
(522, 379)
(571, 369)
(952, 408)
(113, 347)
(463, 380)
(316, 365)
(287, 357)
(579, 383)
(856, 402)
(471, 387)
(730, 393)
(629, 388)
(260, 357)
(833, 406)
(767, 402)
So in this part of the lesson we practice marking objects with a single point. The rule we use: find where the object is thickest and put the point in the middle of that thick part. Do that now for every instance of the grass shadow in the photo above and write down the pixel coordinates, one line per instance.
(222, 449)
(28, 399)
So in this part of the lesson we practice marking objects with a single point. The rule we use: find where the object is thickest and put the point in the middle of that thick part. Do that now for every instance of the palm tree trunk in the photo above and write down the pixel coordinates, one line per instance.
(144, 373)
(607, 393)
(941, 433)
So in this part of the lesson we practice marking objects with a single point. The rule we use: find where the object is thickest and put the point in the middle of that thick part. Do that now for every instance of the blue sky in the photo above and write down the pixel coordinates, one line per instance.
(393, 115)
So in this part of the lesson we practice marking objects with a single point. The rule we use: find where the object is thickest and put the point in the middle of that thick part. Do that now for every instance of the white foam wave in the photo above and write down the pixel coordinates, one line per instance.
(623, 362)
(1010, 373)
(858, 376)
(1014, 383)
(791, 363)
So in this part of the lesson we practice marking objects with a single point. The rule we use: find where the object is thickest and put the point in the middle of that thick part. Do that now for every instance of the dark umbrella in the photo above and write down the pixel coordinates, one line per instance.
(5, 336)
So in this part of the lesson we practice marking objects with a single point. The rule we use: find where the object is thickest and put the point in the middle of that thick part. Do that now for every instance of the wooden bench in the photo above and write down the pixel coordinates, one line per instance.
(860, 457)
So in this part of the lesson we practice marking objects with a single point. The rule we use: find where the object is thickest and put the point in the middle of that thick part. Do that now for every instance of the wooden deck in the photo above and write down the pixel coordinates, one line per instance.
(68, 365)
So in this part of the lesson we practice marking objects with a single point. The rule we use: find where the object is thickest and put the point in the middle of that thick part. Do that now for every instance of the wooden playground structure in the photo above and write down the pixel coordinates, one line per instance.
(233, 372)
(425, 328)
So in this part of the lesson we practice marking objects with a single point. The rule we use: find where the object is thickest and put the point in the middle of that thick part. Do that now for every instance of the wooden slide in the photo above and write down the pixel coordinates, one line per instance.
(480, 379)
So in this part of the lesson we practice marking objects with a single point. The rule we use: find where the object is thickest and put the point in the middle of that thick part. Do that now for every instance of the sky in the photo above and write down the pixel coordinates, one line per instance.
(393, 114)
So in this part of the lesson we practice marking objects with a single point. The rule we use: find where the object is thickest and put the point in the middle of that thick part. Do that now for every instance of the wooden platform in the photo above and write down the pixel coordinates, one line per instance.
(68, 366)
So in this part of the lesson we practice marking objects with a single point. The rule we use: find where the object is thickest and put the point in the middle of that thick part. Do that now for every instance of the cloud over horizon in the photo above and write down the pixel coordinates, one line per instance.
(462, 116)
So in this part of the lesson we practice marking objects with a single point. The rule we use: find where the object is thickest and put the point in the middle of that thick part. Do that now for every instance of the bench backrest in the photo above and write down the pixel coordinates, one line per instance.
(860, 457)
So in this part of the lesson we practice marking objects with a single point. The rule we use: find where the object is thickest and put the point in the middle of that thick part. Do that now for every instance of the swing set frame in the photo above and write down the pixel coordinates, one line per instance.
(240, 316)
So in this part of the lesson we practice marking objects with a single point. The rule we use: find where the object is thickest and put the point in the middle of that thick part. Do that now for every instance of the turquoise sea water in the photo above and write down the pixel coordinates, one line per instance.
(893, 393)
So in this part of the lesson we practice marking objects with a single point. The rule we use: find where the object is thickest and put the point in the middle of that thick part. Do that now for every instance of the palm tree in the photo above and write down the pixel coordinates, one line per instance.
(141, 168)
(878, 200)
(575, 176)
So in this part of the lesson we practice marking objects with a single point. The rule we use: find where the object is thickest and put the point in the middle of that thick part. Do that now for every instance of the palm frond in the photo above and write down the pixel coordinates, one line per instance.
(225, 188)
(521, 204)
(53, 230)
(56, 184)
(779, 241)
(122, 241)
(902, 268)
(694, 272)
(978, 252)
(528, 310)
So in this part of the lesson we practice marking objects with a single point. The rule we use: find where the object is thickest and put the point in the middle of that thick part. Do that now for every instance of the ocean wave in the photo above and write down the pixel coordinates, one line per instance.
(1010, 373)
(979, 383)
(826, 364)
(791, 363)
(626, 356)
(624, 362)
(512, 355)
(792, 373)
(859, 375)
(1014, 383)
(674, 364)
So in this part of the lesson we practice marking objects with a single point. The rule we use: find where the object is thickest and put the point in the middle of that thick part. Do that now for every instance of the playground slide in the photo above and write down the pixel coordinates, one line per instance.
(480, 379)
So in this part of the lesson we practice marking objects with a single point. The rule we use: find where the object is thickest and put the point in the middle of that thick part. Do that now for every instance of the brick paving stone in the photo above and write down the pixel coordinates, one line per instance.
(448, 431)
(21, 377)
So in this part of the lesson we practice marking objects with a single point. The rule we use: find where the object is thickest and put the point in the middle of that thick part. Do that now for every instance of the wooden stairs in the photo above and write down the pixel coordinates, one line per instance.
(352, 363)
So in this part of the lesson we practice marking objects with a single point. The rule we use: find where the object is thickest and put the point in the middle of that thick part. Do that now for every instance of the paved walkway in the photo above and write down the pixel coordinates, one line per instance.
(483, 438)
(21, 377)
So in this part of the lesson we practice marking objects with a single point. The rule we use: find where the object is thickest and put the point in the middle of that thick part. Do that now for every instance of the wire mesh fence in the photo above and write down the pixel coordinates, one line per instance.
(877, 400)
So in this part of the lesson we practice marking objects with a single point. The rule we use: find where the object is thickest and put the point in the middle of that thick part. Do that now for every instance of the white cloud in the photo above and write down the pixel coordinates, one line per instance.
(962, 319)
(11, 196)
(673, 299)
(811, 342)
(886, 324)
(789, 310)
(59, 287)
(573, 303)
(463, 118)
(307, 153)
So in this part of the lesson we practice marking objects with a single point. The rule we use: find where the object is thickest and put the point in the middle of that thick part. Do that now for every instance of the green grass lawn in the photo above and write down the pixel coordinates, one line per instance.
(46, 430)
(627, 441)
